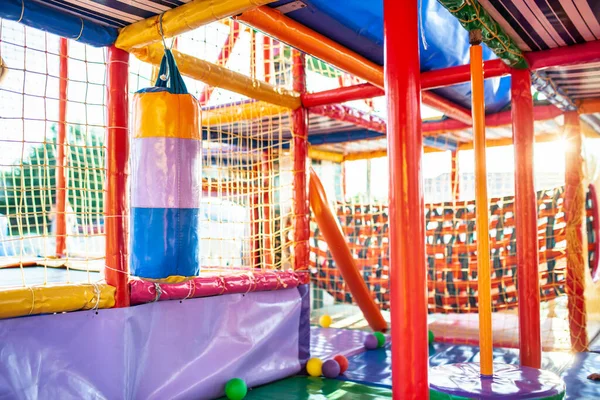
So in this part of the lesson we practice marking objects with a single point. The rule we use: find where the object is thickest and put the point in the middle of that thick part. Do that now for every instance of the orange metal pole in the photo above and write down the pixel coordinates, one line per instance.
(61, 160)
(285, 29)
(526, 218)
(408, 280)
(481, 206)
(574, 209)
(345, 262)
(116, 219)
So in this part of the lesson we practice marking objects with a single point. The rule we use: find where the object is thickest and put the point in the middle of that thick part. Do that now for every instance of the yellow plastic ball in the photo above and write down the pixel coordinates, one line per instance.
(325, 321)
(314, 367)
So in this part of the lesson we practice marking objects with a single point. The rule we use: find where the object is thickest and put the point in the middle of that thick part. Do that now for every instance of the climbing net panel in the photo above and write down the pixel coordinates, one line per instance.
(451, 245)
(52, 173)
(52, 165)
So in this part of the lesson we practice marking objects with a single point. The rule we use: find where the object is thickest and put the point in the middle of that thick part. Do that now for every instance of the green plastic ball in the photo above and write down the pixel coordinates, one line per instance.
(431, 337)
(380, 339)
(236, 389)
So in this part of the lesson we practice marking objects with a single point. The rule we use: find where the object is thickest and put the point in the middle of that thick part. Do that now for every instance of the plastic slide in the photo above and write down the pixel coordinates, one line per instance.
(332, 232)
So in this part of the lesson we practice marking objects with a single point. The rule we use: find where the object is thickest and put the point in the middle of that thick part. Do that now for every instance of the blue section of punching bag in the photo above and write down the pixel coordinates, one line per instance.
(157, 239)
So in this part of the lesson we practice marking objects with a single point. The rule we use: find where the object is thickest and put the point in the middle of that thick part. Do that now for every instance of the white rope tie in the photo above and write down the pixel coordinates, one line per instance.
(22, 11)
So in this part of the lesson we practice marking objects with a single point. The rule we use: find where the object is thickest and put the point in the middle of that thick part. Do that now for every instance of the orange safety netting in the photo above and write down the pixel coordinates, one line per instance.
(451, 252)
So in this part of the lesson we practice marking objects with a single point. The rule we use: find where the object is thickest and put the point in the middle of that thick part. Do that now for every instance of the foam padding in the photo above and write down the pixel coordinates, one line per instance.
(575, 376)
(374, 367)
(49, 299)
(328, 342)
(162, 114)
(164, 242)
(595, 344)
(162, 350)
(464, 380)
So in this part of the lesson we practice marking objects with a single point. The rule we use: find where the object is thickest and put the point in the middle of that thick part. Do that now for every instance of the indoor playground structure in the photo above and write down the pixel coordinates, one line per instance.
(298, 199)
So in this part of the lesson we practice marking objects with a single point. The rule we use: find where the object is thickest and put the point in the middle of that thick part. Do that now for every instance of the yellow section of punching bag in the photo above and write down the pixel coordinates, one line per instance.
(162, 114)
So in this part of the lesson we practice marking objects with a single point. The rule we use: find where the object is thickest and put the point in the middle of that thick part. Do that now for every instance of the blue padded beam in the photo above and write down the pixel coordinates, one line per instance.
(57, 22)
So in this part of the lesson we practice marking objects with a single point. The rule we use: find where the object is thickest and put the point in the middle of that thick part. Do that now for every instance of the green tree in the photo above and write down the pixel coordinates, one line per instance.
(28, 190)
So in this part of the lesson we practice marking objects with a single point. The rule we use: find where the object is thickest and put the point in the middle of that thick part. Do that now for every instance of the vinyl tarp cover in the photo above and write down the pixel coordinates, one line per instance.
(163, 350)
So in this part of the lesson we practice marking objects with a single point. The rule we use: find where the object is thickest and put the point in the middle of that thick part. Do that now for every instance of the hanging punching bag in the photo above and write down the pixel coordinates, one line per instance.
(166, 179)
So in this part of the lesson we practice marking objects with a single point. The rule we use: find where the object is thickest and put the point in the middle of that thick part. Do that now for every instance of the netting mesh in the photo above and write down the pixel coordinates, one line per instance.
(451, 242)
(30, 146)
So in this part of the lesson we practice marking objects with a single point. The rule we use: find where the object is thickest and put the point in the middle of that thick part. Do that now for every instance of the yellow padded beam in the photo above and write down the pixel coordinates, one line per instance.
(241, 112)
(18, 302)
(221, 77)
(182, 19)
(324, 155)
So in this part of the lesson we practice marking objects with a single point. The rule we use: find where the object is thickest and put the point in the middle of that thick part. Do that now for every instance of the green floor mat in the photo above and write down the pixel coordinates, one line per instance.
(302, 387)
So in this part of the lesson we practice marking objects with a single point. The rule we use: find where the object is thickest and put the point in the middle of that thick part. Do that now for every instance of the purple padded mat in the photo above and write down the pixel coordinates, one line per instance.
(464, 380)
(163, 350)
(374, 367)
(595, 344)
(328, 342)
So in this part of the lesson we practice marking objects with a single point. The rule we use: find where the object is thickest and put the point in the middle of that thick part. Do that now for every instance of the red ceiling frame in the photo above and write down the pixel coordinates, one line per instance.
(540, 113)
(340, 112)
(577, 54)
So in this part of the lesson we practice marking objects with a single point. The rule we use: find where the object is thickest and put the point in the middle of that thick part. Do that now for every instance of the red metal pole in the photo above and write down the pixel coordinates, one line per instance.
(255, 227)
(367, 90)
(526, 218)
(267, 59)
(540, 113)
(562, 56)
(454, 176)
(300, 153)
(574, 208)
(347, 114)
(117, 174)
(343, 164)
(341, 95)
(253, 51)
(461, 74)
(266, 168)
(449, 109)
(406, 206)
(61, 160)
(234, 34)
(359, 118)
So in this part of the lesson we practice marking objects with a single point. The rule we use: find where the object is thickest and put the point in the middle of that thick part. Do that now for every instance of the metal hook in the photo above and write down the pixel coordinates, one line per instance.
(162, 33)
(164, 77)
